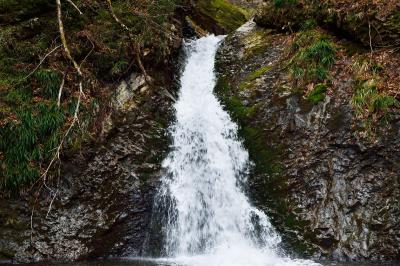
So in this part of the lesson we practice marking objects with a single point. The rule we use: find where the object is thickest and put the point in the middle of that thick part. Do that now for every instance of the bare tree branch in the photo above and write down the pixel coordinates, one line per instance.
(115, 17)
(75, 6)
(41, 61)
(64, 40)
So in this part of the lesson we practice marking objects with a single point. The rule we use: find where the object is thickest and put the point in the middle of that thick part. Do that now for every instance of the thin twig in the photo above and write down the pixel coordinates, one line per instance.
(33, 211)
(60, 92)
(370, 38)
(139, 62)
(75, 119)
(51, 203)
(115, 17)
(88, 54)
(75, 6)
(41, 61)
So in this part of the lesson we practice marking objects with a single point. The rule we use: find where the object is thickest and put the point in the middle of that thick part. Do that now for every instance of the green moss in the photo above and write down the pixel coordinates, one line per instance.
(240, 111)
(267, 181)
(257, 73)
(256, 43)
(249, 81)
(227, 15)
(317, 94)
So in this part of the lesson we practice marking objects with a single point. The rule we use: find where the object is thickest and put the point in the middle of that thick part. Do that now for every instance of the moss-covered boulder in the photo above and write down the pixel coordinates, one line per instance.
(219, 16)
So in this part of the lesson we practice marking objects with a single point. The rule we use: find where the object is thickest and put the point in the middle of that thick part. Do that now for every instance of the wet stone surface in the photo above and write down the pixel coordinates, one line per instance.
(329, 191)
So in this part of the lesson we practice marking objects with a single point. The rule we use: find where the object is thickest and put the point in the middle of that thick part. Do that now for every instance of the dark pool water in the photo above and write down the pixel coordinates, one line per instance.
(139, 262)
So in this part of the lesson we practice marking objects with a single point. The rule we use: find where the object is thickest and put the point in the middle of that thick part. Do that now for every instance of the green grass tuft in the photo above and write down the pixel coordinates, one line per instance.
(317, 94)
(367, 100)
(28, 141)
(313, 57)
(50, 82)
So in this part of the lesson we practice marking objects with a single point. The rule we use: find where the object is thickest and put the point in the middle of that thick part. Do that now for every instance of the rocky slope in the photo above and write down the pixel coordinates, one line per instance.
(97, 201)
(326, 171)
(103, 201)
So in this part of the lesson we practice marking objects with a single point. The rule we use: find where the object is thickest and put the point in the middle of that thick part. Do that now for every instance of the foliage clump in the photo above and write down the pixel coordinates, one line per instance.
(318, 94)
(370, 103)
(314, 55)
(27, 141)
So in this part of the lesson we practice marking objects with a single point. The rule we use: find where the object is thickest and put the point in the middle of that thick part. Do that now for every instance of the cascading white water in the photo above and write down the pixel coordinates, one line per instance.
(210, 220)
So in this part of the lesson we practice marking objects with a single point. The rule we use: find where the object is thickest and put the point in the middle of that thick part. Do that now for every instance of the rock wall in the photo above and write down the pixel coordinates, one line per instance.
(331, 192)
(106, 191)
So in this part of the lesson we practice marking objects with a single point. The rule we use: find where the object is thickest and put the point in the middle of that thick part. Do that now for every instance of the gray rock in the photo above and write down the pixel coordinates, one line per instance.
(331, 192)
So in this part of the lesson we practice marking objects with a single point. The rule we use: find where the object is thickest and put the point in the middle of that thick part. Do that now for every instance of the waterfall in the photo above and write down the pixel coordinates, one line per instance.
(209, 220)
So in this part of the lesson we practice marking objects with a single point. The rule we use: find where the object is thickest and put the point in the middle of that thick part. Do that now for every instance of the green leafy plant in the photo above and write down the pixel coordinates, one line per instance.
(50, 81)
(318, 94)
(368, 101)
(313, 57)
(27, 142)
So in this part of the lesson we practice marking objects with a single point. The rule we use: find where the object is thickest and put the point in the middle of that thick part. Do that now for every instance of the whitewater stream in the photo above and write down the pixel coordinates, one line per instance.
(210, 221)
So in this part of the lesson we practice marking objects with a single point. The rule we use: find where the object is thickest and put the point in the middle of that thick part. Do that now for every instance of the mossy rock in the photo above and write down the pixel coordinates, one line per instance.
(267, 183)
(219, 16)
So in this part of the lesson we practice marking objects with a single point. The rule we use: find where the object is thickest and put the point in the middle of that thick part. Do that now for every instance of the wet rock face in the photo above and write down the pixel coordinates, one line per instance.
(332, 193)
(105, 194)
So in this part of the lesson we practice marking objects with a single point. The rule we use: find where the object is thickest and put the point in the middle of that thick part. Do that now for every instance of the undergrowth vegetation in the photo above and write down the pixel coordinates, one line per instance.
(369, 103)
(312, 56)
(39, 85)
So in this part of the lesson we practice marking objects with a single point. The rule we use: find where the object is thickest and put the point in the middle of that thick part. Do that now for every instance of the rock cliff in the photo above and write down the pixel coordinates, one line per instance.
(330, 183)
